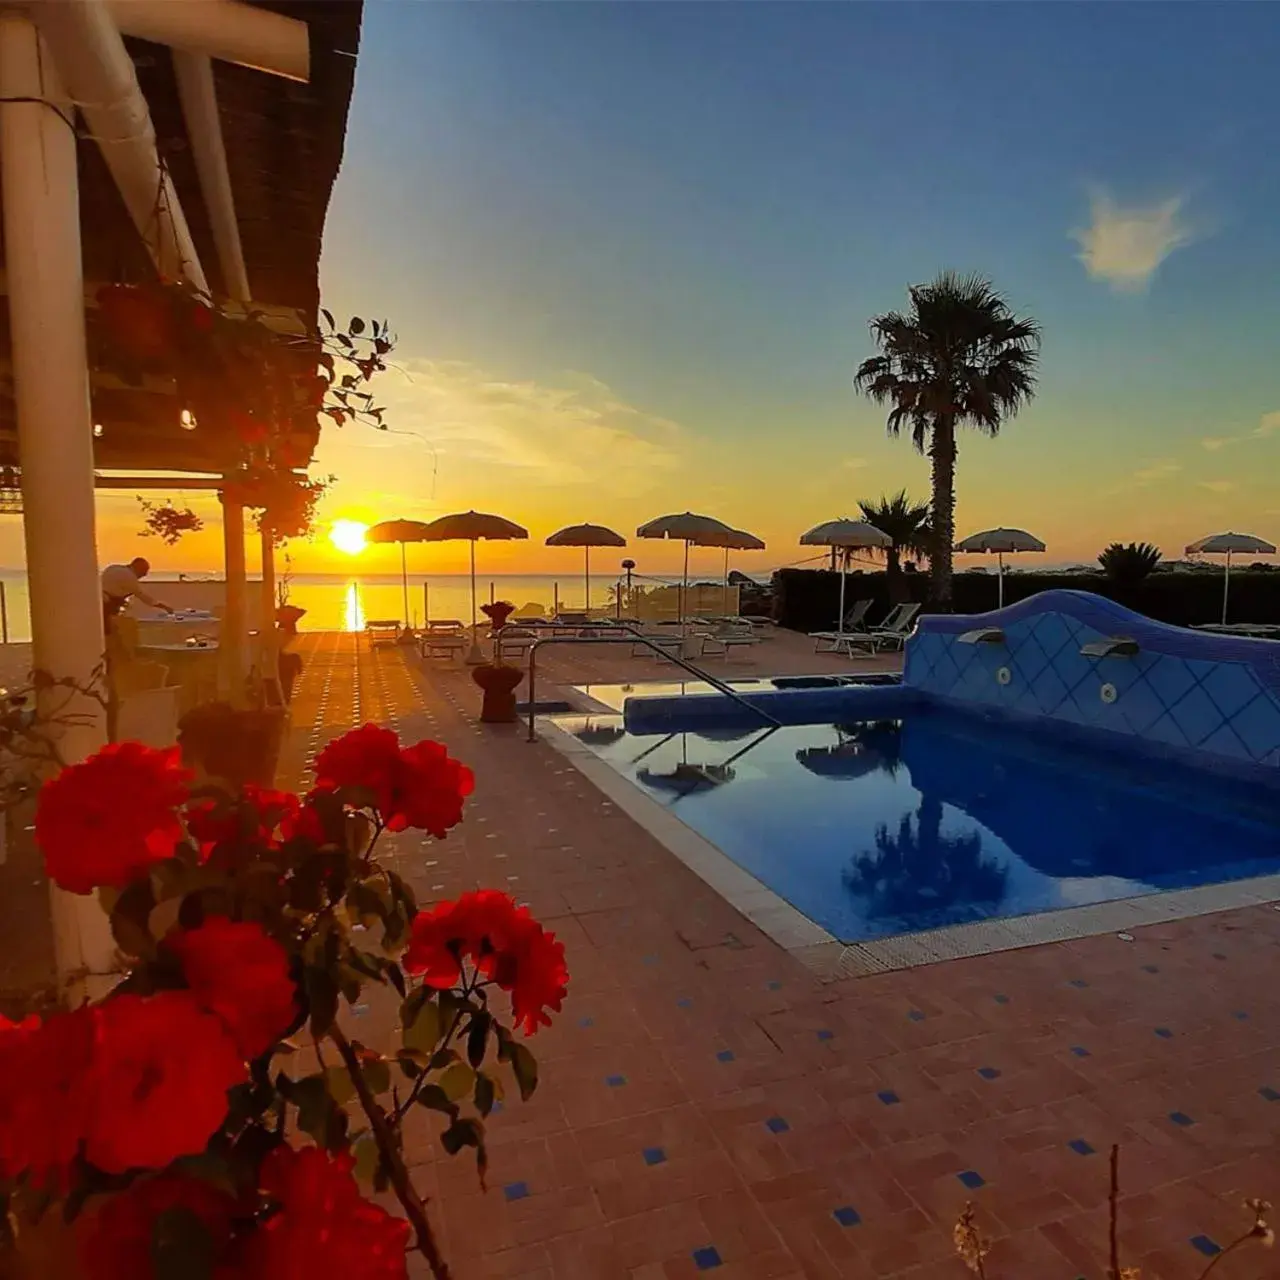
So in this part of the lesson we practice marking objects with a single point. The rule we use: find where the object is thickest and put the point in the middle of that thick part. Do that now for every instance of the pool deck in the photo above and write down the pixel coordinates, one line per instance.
(705, 1097)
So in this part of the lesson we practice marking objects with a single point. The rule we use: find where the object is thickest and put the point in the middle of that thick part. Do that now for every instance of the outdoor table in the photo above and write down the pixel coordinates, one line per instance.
(193, 668)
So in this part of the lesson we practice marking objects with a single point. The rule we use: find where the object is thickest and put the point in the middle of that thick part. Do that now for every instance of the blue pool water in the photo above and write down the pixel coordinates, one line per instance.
(938, 818)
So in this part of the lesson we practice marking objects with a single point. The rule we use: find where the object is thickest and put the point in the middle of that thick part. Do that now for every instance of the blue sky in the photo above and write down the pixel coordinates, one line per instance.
(630, 251)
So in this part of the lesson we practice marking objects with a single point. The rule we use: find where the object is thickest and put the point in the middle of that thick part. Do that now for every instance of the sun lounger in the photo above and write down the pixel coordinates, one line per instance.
(892, 633)
(382, 630)
(854, 622)
(443, 638)
(728, 636)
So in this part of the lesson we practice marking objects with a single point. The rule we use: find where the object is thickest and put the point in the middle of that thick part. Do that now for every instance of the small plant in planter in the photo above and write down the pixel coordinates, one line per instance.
(211, 1117)
(496, 678)
(168, 522)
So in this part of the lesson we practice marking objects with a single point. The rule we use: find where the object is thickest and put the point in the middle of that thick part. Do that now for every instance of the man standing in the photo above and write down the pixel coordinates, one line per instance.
(122, 583)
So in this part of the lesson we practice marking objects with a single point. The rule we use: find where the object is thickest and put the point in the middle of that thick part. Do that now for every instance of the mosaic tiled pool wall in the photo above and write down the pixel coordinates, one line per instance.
(1192, 694)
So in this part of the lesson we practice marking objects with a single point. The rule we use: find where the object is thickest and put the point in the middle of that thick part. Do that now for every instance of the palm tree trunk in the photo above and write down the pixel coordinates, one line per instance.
(893, 575)
(942, 456)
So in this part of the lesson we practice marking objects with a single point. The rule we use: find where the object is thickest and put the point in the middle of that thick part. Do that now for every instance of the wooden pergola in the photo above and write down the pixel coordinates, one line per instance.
(193, 140)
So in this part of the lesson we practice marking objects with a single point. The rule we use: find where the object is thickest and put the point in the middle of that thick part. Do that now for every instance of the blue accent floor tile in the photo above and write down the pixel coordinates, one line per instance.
(846, 1216)
(705, 1259)
(888, 1097)
(776, 1124)
(586, 1022)
(1001, 999)
(1181, 1118)
(649, 960)
(916, 1016)
(654, 1155)
(493, 1110)
(1150, 968)
(684, 1003)
(725, 1055)
(1206, 1245)
(1240, 1016)
(516, 1190)
(824, 1034)
(773, 986)
(972, 1179)
(1164, 1033)
(1080, 1051)
(615, 1082)
(989, 1073)
(1269, 1093)
(1078, 983)
(1080, 1147)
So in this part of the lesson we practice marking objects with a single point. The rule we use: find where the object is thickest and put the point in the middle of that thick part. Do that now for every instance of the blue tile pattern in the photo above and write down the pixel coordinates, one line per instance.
(888, 1097)
(516, 1190)
(846, 1216)
(1193, 691)
(725, 1055)
(1080, 1147)
(615, 1082)
(971, 1179)
(1080, 1051)
(1206, 1245)
(776, 1124)
(1181, 1118)
(1164, 1033)
(989, 1073)
(654, 1155)
(824, 1034)
(705, 1259)
(1269, 1093)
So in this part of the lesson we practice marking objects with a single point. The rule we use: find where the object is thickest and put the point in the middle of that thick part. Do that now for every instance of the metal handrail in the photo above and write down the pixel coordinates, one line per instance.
(633, 637)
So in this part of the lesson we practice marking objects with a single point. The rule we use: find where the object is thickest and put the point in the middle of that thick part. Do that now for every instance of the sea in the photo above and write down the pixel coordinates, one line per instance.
(344, 602)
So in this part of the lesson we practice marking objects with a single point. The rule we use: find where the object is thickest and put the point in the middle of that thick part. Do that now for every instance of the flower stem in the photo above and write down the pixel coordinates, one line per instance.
(412, 1203)
(1113, 1200)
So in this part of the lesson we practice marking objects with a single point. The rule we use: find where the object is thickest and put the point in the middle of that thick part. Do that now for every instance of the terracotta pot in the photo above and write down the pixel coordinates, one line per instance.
(232, 745)
(41, 1250)
(499, 685)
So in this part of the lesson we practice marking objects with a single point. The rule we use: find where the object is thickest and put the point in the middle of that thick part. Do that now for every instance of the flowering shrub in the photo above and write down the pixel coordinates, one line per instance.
(168, 522)
(211, 1116)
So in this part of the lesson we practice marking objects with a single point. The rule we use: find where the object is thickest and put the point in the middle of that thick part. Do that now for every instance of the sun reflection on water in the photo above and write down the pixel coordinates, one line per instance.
(353, 608)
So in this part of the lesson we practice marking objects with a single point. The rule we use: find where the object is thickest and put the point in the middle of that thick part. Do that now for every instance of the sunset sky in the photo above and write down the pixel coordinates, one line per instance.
(630, 251)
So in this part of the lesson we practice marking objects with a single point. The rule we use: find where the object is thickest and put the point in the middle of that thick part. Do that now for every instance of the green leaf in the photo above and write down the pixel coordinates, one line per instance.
(328, 316)
(377, 1075)
(338, 1082)
(357, 325)
(434, 1098)
(367, 1156)
(129, 920)
(318, 1115)
(478, 1038)
(322, 999)
(163, 918)
(424, 1030)
(485, 1094)
(524, 1066)
(457, 1081)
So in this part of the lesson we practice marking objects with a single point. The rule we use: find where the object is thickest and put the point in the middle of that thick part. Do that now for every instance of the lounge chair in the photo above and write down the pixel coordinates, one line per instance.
(384, 630)
(892, 633)
(443, 638)
(514, 640)
(854, 622)
(726, 636)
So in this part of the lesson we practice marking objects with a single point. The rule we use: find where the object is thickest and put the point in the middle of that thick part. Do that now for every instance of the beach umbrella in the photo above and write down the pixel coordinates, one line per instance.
(734, 540)
(1229, 544)
(685, 779)
(586, 536)
(403, 532)
(846, 536)
(1001, 542)
(472, 526)
(692, 530)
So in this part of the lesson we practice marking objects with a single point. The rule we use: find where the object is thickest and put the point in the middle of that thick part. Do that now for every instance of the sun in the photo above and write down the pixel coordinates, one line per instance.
(348, 536)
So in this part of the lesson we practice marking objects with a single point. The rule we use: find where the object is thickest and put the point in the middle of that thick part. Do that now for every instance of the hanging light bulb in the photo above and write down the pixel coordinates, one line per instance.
(188, 420)
(97, 429)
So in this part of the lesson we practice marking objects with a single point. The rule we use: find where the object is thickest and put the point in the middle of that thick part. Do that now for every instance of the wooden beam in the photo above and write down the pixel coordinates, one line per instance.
(158, 482)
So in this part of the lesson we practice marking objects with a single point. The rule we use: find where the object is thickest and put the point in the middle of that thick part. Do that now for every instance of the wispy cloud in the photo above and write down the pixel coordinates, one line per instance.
(1218, 486)
(855, 464)
(1268, 425)
(578, 433)
(1124, 245)
(1155, 472)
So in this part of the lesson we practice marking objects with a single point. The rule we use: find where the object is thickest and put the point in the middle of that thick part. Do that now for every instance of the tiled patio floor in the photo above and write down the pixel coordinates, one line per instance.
(707, 1105)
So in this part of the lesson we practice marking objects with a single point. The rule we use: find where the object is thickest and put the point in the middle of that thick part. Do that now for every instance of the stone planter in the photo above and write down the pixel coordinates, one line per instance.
(499, 684)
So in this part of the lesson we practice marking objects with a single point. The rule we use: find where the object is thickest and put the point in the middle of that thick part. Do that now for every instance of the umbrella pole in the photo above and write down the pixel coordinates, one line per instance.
(586, 595)
(1000, 575)
(476, 656)
(404, 583)
(1226, 588)
(724, 607)
(684, 590)
(844, 564)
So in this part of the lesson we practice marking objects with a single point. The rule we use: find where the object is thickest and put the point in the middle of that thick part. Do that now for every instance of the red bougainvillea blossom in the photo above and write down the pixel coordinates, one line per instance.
(114, 1240)
(505, 944)
(237, 972)
(418, 786)
(260, 816)
(324, 1226)
(43, 1104)
(158, 1082)
(104, 821)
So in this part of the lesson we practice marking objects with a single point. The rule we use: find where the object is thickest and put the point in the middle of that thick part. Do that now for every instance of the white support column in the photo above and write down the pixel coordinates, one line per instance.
(234, 632)
(55, 430)
(270, 672)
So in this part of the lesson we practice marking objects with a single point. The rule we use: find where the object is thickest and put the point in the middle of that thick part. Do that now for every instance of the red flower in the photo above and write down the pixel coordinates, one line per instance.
(305, 824)
(237, 972)
(201, 317)
(504, 943)
(158, 1085)
(256, 816)
(419, 786)
(42, 1118)
(103, 822)
(248, 428)
(114, 1241)
(324, 1227)
(139, 321)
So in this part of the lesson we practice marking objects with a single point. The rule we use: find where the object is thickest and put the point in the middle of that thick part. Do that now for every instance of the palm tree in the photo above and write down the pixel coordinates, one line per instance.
(1128, 565)
(907, 523)
(959, 356)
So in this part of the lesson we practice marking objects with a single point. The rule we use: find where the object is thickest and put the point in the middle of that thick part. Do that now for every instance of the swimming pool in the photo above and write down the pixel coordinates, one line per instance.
(1008, 775)
(885, 827)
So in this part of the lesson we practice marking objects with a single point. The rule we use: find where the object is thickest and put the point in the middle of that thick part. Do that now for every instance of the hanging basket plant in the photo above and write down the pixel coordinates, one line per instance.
(285, 502)
(168, 522)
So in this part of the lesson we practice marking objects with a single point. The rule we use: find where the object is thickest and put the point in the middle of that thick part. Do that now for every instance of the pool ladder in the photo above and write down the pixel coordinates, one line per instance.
(631, 637)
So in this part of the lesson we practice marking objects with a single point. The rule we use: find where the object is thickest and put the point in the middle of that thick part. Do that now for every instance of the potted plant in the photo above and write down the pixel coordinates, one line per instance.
(176, 1127)
(232, 745)
(496, 678)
